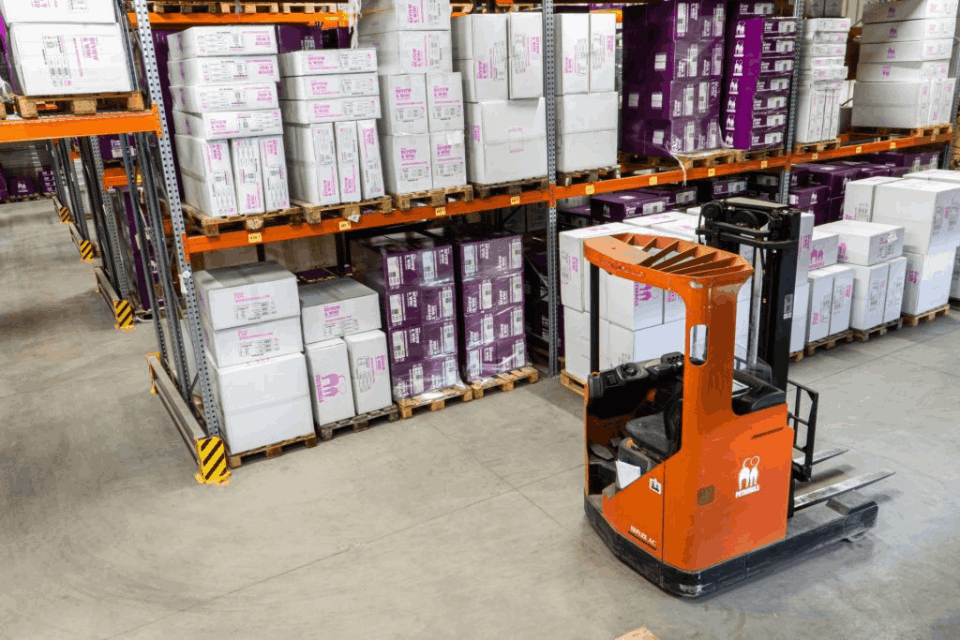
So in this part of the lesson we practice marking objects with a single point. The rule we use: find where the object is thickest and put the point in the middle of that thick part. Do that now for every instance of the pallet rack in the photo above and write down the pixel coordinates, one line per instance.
(169, 367)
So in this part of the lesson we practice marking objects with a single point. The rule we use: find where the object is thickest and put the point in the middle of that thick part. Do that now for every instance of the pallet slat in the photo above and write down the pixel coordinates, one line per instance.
(928, 316)
(359, 423)
(587, 176)
(235, 460)
(212, 226)
(433, 197)
(504, 381)
(828, 343)
(512, 187)
(435, 400)
(879, 330)
(573, 383)
(701, 159)
(350, 211)
(816, 147)
(30, 107)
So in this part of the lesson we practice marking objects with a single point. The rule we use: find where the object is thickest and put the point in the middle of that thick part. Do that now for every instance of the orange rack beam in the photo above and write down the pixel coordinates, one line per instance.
(184, 20)
(101, 124)
(200, 244)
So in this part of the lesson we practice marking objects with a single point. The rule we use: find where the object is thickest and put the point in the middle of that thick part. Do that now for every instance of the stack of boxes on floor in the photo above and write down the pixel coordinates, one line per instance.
(62, 48)
(500, 60)
(345, 349)
(414, 276)
(904, 62)
(330, 106)
(251, 328)
(821, 80)
(673, 66)
(422, 126)
(760, 55)
(227, 120)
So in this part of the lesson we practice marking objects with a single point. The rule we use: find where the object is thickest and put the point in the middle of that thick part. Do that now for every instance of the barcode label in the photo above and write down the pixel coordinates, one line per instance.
(446, 302)
(487, 329)
(517, 321)
(516, 289)
(256, 348)
(469, 260)
(516, 254)
(393, 271)
(416, 379)
(519, 354)
(473, 364)
(399, 346)
(429, 268)
(396, 309)
(449, 372)
(448, 334)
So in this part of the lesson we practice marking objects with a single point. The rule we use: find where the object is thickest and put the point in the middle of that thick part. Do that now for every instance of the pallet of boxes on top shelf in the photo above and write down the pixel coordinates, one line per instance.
(820, 84)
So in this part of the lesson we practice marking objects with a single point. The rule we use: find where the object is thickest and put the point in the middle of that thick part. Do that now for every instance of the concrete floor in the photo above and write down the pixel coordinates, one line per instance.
(464, 523)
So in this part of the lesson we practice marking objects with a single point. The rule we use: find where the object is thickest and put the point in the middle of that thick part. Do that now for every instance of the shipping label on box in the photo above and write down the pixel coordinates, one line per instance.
(329, 87)
(371, 166)
(401, 52)
(251, 293)
(203, 42)
(444, 102)
(405, 103)
(228, 124)
(239, 345)
(369, 370)
(273, 164)
(202, 99)
(224, 71)
(407, 165)
(525, 33)
(247, 175)
(331, 390)
(336, 308)
(448, 155)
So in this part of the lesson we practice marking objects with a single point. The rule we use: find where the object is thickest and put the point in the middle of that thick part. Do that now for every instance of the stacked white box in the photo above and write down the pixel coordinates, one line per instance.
(928, 281)
(371, 162)
(869, 295)
(866, 243)
(798, 327)
(525, 42)
(383, 16)
(348, 160)
(896, 280)
(506, 140)
(480, 55)
(573, 52)
(842, 300)
(955, 283)
(929, 212)
(247, 174)
(587, 131)
(858, 197)
(312, 162)
(329, 380)
(369, 371)
(820, 306)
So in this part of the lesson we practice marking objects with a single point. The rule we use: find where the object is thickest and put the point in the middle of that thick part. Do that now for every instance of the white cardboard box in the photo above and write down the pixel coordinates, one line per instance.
(207, 174)
(484, 79)
(228, 124)
(317, 111)
(574, 271)
(448, 157)
(205, 42)
(909, 51)
(955, 284)
(936, 175)
(892, 93)
(798, 329)
(587, 150)
(525, 56)
(404, 104)
(202, 99)
(866, 243)
(870, 115)
(576, 342)
(371, 165)
(927, 210)
(803, 253)
(67, 59)
(908, 10)
(406, 163)
(603, 50)
(251, 293)
(896, 280)
(587, 131)
(821, 304)
(631, 305)
(348, 160)
(329, 87)
(842, 297)
(824, 247)
(336, 308)
(66, 11)
(328, 61)
(239, 345)
(213, 198)
(267, 424)
(620, 346)
(858, 197)
(810, 115)
(312, 157)
(411, 51)
(247, 175)
(224, 71)
(573, 52)
(331, 390)
(507, 140)
(273, 164)
(869, 295)
(930, 28)
(314, 183)
(903, 71)
(480, 36)
(928, 280)
(656, 218)
(444, 102)
(407, 15)
(369, 371)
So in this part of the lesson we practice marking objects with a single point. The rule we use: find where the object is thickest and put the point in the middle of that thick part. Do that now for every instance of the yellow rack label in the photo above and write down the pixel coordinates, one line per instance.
(440, 211)
(514, 200)
(589, 190)
(344, 225)
(254, 238)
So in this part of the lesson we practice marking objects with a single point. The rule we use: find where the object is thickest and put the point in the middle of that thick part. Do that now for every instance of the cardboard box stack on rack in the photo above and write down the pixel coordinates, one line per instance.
(821, 80)
(421, 132)
(502, 90)
(61, 48)
(673, 67)
(227, 121)
(330, 109)
(902, 75)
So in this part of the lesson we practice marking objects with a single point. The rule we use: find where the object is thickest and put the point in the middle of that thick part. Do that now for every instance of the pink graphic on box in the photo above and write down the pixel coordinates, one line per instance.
(913, 276)
(244, 334)
(476, 133)
(416, 59)
(533, 45)
(816, 258)
(842, 251)
(642, 293)
(380, 363)
(330, 386)
(331, 311)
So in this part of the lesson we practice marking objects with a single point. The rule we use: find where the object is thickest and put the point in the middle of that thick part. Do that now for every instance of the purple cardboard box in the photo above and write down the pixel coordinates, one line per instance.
(422, 341)
(660, 21)
(291, 37)
(676, 194)
(763, 192)
(482, 253)
(415, 305)
(485, 328)
(420, 376)
(740, 10)
(492, 359)
(821, 213)
(867, 169)
(665, 137)
(22, 186)
(488, 294)
(48, 184)
(611, 207)
(409, 259)
(764, 180)
(834, 209)
(751, 139)
(574, 217)
(660, 100)
(721, 188)
(799, 175)
(898, 172)
(750, 87)
(834, 176)
(775, 27)
(755, 67)
(747, 120)
(110, 147)
(805, 198)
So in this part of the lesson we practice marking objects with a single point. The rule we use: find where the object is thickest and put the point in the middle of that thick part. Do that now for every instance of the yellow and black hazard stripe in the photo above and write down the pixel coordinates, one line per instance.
(213, 461)
(65, 216)
(123, 313)
(87, 251)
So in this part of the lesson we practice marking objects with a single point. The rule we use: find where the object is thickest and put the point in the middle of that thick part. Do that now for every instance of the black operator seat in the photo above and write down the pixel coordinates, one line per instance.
(757, 396)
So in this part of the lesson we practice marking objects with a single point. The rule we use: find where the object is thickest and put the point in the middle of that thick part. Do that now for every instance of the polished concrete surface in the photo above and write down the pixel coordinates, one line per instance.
(465, 523)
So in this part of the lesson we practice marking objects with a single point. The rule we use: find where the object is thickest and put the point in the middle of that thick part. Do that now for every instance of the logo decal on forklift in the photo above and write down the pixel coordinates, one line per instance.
(642, 537)
(655, 486)
(749, 477)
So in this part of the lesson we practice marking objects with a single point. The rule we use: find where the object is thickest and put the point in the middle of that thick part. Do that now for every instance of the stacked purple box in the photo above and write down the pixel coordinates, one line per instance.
(912, 160)
(813, 199)
(110, 147)
(48, 183)
(414, 275)
(574, 217)
(676, 194)
(489, 271)
(613, 207)
(760, 53)
(22, 186)
(673, 56)
(715, 188)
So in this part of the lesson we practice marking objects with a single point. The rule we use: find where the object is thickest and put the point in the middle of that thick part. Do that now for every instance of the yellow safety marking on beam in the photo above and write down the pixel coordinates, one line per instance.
(933, 138)
(893, 145)
(344, 225)
(213, 462)
(87, 251)
(123, 312)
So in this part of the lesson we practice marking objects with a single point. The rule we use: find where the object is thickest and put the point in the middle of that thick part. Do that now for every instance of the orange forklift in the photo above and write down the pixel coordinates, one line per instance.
(691, 474)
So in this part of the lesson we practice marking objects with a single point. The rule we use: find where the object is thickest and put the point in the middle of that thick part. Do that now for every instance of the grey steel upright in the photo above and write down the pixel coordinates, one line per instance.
(550, 102)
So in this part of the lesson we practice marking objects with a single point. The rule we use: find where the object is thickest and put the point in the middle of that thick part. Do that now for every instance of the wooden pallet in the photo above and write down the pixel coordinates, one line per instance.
(764, 154)
(817, 147)
(244, 6)
(504, 381)
(26, 198)
(797, 356)
(435, 400)
(271, 450)
(3, 110)
(359, 423)
(916, 132)
(879, 330)
(212, 226)
(587, 176)
(350, 211)
(84, 105)
(433, 197)
(573, 383)
(828, 343)
(912, 321)
(701, 159)
(511, 187)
